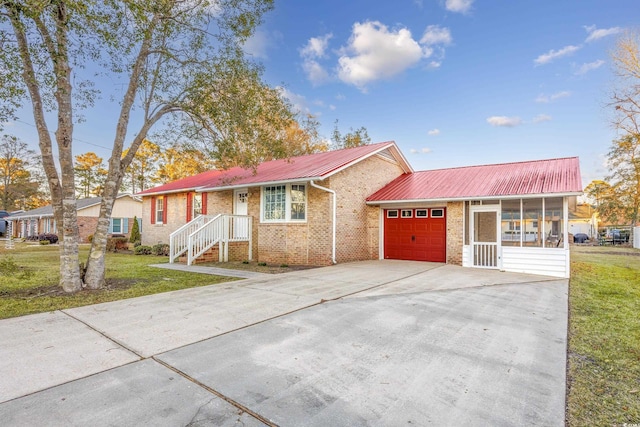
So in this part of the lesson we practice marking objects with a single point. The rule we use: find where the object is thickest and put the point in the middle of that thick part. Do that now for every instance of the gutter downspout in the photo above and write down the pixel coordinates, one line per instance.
(334, 218)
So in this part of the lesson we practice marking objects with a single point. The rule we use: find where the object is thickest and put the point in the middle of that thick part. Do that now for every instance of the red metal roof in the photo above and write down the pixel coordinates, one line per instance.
(559, 176)
(312, 166)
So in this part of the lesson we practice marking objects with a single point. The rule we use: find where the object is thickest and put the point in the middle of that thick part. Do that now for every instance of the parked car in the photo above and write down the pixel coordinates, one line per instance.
(580, 238)
(3, 223)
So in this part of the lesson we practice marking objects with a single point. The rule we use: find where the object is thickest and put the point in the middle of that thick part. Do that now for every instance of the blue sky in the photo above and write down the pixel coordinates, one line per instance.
(453, 82)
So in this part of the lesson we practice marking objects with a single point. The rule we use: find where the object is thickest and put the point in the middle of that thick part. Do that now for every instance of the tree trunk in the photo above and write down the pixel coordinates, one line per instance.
(62, 190)
(96, 266)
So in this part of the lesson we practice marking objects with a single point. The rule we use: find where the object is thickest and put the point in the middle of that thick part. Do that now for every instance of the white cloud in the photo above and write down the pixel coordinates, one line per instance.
(461, 6)
(374, 52)
(542, 98)
(542, 118)
(598, 33)
(586, 67)
(315, 72)
(341, 97)
(299, 102)
(260, 42)
(424, 150)
(504, 121)
(434, 34)
(315, 48)
(554, 54)
(434, 132)
(332, 107)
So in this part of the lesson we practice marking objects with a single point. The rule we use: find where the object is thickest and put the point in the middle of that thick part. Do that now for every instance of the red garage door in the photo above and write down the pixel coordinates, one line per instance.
(415, 234)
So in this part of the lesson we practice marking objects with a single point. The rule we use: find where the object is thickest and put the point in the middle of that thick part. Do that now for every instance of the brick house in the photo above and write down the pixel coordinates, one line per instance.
(40, 220)
(368, 203)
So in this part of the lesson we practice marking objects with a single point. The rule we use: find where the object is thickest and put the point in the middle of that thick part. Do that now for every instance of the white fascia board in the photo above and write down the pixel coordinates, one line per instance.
(461, 199)
(403, 162)
(260, 184)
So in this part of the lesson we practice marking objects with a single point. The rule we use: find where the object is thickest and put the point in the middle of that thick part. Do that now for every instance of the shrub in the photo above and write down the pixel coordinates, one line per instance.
(262, 264)
(160, 249)
(135, 231)
(117, 243)
(136, 243)
(90, 238)
(52, 238)
(142, 250)
(44, 242)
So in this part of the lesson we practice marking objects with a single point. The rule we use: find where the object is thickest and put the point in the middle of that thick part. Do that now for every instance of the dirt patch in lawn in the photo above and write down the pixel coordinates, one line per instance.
(257, 267)
(57, 291)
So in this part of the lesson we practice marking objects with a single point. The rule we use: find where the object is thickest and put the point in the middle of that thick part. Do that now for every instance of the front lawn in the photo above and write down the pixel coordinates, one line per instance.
(30, 274)
(604, 337)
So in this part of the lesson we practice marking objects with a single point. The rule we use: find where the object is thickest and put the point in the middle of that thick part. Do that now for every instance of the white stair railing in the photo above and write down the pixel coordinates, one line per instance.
(178, 240)
(202, 239)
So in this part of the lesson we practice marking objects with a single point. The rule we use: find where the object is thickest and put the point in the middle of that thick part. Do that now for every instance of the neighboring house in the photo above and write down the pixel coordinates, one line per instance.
(39, 221)
(583, 219)
(368, 203)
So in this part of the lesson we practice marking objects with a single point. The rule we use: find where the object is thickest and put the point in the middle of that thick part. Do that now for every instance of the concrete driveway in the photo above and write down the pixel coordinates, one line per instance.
(370, 343)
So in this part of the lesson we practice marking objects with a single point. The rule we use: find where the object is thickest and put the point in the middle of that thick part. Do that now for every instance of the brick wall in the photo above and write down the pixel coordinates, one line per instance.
(358, 227)
(217, 202)
(454, 232)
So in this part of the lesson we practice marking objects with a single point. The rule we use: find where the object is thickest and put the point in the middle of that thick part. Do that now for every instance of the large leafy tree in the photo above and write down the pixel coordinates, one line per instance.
(624, 154)
(171, 57)
(18, 182)
(143, 167)
(179, 162)
(353, 138)
(90, 174)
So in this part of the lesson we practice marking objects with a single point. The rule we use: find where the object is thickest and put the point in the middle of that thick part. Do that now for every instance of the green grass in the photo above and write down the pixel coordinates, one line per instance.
(604, 337)
(30, 274)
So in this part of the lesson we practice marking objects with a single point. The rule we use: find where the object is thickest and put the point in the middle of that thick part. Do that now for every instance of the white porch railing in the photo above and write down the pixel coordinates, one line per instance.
(202, 233)
(485, 255)
(178, 239)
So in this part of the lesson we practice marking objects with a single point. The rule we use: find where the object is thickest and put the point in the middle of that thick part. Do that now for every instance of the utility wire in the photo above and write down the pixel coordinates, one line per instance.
(75, 139)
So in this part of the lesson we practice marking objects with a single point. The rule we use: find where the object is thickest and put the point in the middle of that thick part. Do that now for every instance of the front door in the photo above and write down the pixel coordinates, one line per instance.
(485, 242)
(240, 207)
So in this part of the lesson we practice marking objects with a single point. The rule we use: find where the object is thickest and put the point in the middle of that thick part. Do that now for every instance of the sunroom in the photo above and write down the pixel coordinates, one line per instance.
(527, 235)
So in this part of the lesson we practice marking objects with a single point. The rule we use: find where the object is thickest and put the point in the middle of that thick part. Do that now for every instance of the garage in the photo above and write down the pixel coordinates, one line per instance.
(415, 234)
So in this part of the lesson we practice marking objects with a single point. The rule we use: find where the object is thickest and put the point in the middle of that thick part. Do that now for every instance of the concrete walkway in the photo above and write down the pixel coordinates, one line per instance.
(370, 343)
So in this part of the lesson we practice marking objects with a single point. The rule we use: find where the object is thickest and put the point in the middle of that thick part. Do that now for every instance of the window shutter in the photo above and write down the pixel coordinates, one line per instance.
(125, 225)
(204, 203)
(153, 210)
(164, 209)
(139, 224)
(189, 206)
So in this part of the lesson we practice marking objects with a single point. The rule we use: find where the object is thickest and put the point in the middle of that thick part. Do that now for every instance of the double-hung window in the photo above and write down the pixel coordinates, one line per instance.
(119, 226)
(197, 205)
(284, 203)
(159, 210)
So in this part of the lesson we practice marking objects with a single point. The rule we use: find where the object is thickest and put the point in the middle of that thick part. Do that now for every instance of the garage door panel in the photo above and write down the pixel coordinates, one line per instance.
(415, 238)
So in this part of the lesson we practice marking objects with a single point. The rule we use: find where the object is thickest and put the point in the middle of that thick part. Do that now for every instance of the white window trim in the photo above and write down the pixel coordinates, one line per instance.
(437, 216)
(287, 205)
(402, 211)
(193, 205)
(393, 210)
(159, 220)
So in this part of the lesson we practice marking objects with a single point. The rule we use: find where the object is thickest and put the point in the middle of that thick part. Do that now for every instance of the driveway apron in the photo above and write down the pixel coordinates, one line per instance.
(370, 343)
